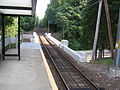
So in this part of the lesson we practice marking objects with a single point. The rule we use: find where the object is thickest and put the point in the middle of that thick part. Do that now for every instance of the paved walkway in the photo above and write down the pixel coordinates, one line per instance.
(27, 74)
(28, 45)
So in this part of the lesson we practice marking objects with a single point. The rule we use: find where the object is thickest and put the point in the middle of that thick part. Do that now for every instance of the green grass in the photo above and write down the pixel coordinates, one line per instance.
(106, 61)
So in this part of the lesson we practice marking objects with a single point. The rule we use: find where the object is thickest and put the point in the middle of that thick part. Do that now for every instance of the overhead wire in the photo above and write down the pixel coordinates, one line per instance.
(89, 1)
(91, 4)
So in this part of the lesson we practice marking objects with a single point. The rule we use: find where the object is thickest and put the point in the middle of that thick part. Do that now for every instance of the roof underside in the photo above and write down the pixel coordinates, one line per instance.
(18, 7)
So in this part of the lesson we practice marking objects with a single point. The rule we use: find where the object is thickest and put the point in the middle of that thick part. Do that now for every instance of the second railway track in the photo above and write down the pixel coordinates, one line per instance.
(70, 75)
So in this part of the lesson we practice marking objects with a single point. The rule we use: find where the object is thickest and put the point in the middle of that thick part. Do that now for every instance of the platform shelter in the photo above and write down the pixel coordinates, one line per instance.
(15, 8)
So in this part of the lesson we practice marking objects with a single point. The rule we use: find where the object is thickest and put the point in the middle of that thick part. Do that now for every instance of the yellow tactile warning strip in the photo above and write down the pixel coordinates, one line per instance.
(49, 73)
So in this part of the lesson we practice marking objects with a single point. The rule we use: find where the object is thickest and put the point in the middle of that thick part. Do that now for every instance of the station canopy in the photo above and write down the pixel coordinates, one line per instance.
(18, 7)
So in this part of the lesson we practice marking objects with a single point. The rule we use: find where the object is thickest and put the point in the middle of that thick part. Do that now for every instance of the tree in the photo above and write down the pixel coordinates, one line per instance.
(26, 23)
(78, 22)
(11, 27)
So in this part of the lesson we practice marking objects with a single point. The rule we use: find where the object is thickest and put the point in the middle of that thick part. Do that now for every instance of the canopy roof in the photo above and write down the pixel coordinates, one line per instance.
(18, 7)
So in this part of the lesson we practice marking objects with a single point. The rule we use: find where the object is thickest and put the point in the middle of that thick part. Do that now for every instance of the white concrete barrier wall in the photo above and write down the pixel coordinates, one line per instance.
(71, 52)
(13, 40)
(53, 39)
(27, 36)
(35, 38)
(8, 41)
(65, 42)
(78, 57)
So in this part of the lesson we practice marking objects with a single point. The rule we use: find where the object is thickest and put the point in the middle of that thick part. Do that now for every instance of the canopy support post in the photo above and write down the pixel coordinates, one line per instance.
(19, 37)
(3, 36)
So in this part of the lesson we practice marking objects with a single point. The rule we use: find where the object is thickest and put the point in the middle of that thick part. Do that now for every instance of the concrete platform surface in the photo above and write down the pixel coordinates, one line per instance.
(29, 45)
(27, 74)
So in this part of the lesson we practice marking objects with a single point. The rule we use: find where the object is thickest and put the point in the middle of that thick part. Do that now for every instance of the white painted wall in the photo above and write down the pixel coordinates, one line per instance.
(8, 41)
(78, 57)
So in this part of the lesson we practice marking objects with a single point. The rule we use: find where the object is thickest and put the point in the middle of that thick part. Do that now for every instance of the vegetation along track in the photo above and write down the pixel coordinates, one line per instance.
(70, 75)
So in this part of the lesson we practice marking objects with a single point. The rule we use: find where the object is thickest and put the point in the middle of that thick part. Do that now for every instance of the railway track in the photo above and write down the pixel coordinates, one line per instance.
(70, 75)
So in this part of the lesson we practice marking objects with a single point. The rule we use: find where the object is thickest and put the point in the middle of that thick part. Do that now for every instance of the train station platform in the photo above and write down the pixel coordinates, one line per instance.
(27, 74)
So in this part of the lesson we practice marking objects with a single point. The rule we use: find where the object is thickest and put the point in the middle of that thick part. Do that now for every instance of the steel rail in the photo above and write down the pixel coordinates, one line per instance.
(66, 86)
(68, 59)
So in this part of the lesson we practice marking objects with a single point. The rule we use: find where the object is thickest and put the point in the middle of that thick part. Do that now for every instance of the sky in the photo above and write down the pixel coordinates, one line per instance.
(41, 7)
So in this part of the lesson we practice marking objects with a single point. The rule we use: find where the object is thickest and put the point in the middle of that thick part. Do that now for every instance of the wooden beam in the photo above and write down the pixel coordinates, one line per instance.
(109, 28)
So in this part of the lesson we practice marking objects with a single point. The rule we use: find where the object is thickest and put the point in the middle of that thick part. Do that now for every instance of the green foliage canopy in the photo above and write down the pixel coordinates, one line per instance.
(11, 25)
(26, 24)
(78, 22)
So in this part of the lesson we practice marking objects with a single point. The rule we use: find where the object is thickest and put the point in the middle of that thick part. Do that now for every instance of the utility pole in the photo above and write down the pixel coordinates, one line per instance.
(117, 56)
(97, 29)
(109, 28)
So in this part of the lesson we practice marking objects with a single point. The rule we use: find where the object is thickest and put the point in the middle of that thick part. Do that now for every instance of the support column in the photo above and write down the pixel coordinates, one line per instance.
(117, 56)
(3, 37)
(109, 28)
(97, 30)
(48, 26)
(19, 37)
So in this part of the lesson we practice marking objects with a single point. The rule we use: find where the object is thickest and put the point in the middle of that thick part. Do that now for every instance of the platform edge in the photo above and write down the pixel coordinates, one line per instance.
(49, 73)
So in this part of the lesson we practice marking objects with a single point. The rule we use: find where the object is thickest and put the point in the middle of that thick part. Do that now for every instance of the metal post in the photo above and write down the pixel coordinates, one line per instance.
(19, 37)
(117, 56)
(48, 26)
(3, 37)
(109, 27)
(63, 31)
(97, 30)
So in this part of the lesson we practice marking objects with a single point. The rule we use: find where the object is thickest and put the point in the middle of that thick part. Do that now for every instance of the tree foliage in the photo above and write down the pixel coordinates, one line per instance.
(11, 25)
(26, 24)
(77, 20)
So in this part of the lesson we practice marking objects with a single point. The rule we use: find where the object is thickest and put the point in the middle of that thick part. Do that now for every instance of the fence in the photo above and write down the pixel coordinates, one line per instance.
(9, 40)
